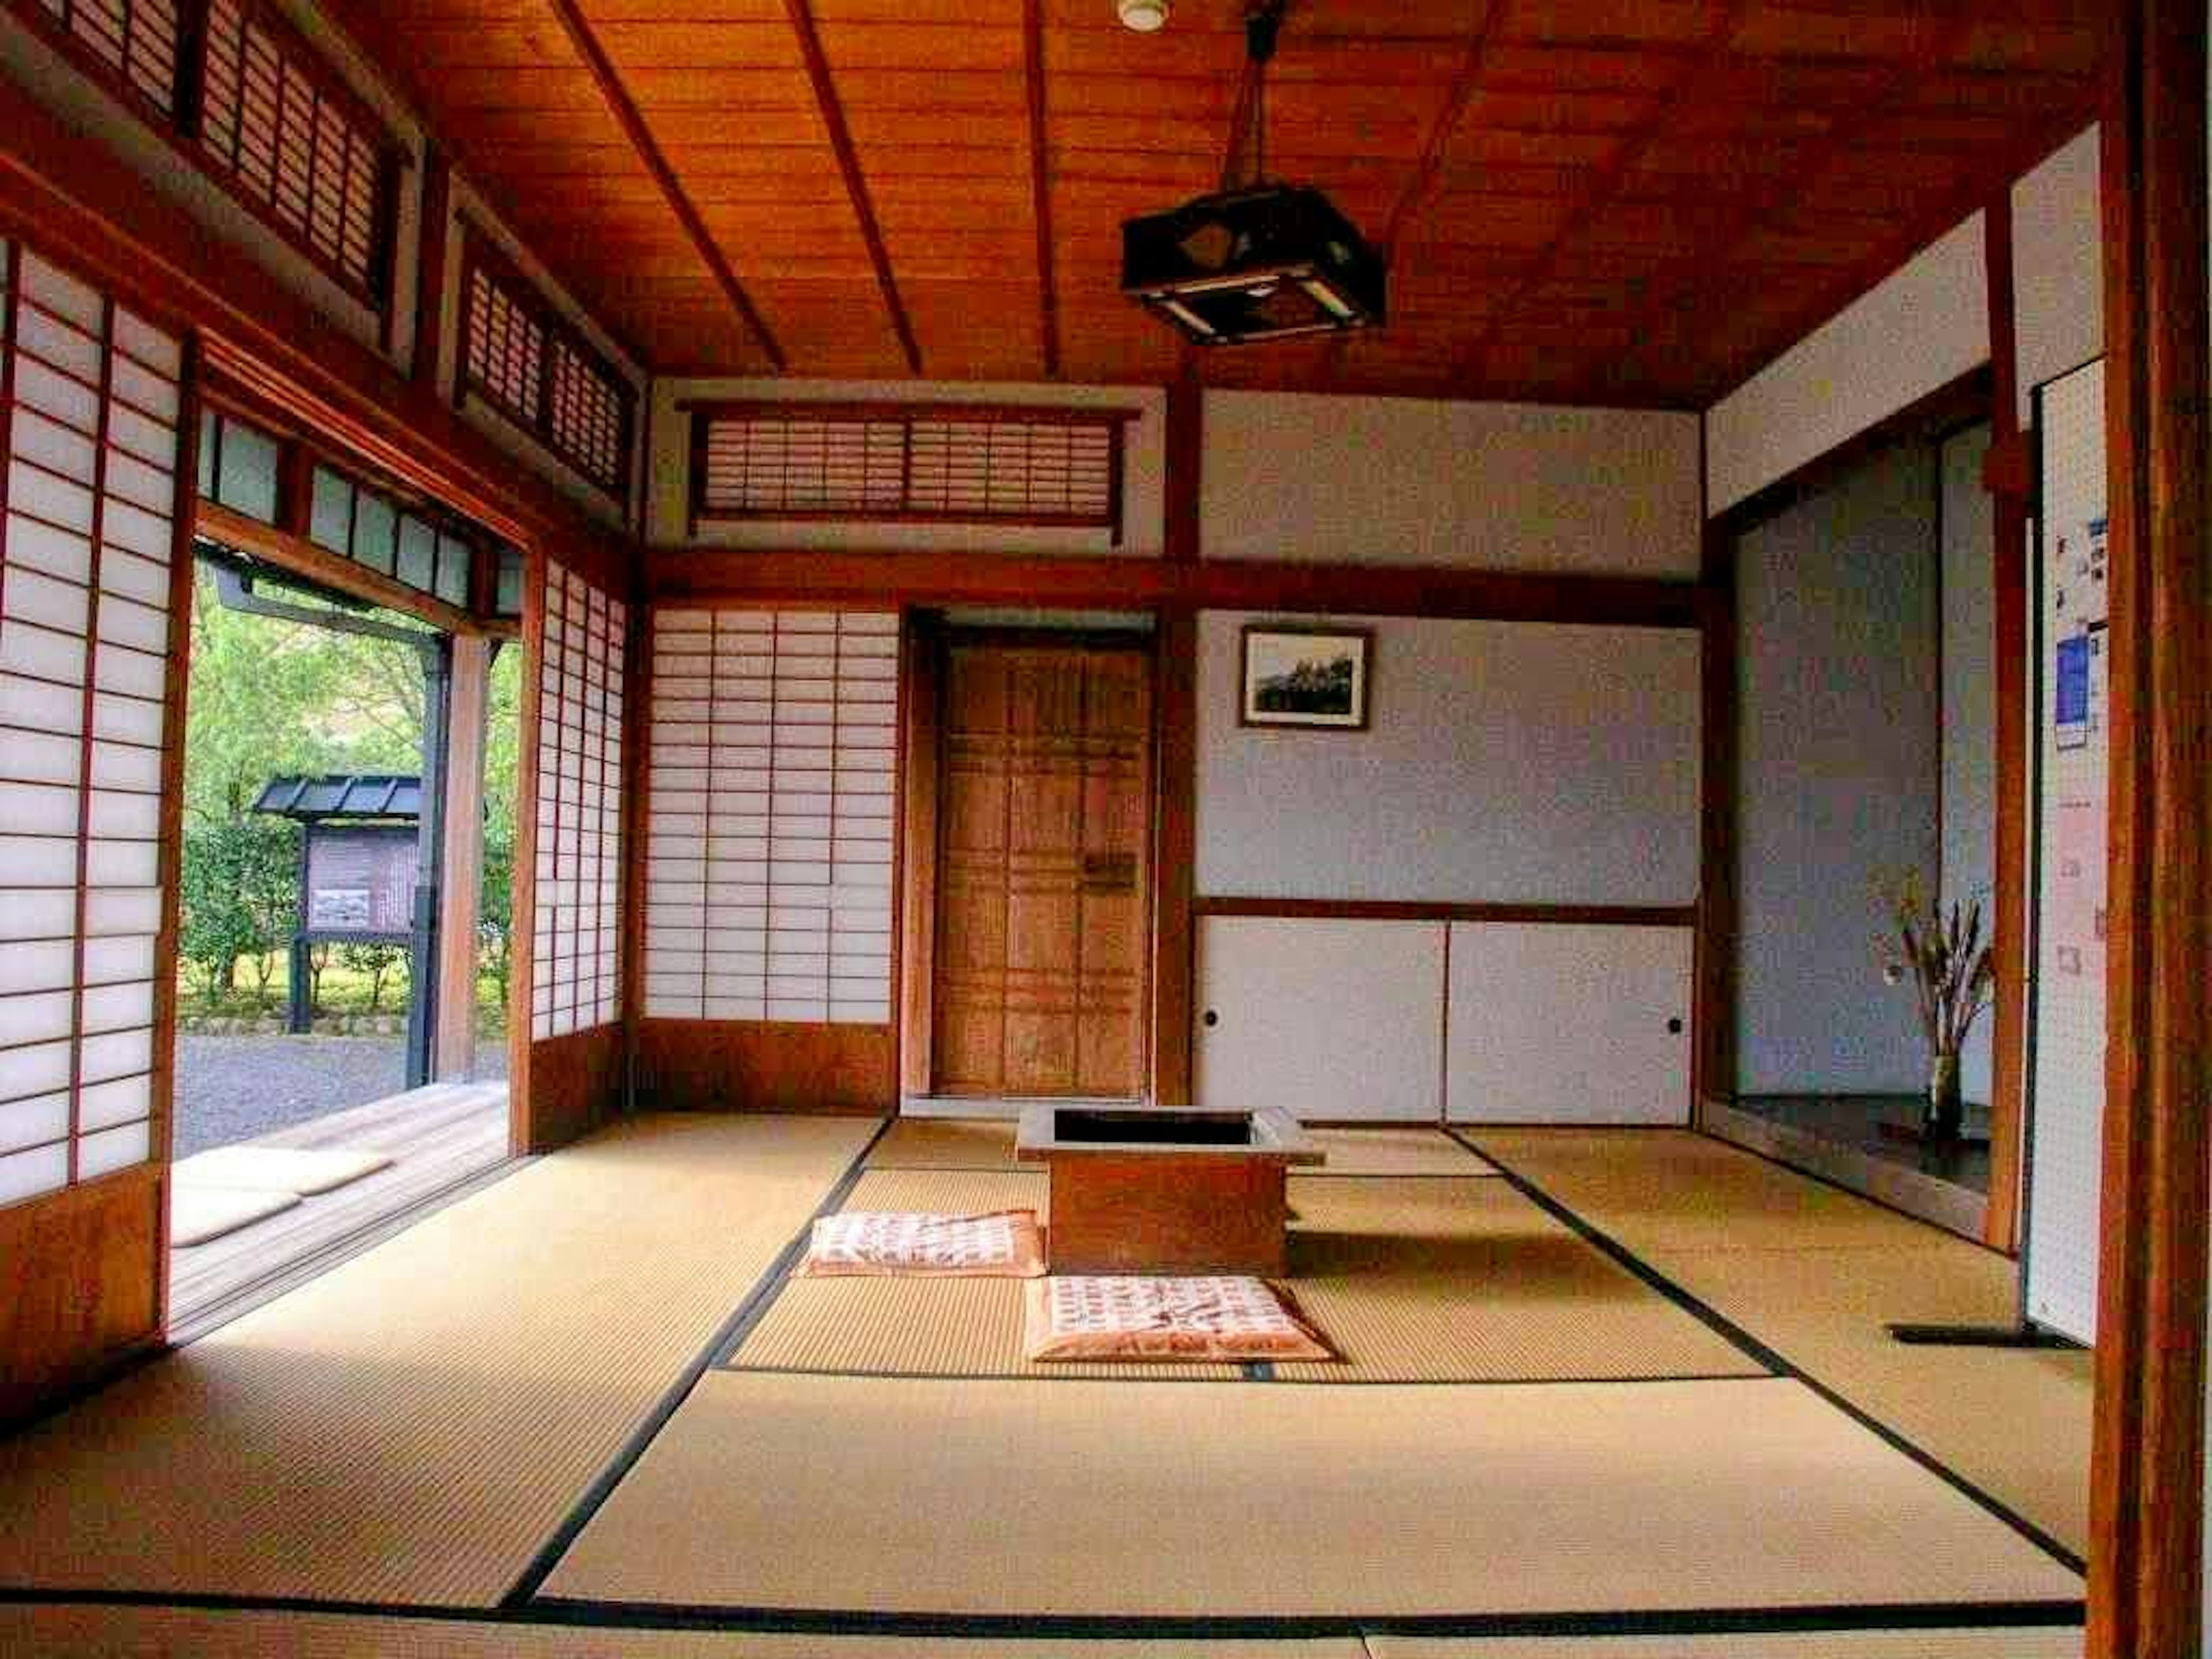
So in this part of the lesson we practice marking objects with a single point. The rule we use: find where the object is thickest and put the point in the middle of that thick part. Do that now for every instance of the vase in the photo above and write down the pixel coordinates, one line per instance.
(1944, 1114)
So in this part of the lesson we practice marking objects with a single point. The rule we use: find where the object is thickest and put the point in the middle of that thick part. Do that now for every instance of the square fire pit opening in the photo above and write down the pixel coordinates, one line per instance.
(1108, 1126)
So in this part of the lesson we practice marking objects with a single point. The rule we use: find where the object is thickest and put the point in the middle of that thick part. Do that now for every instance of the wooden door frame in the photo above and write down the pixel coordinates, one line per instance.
(929, 639)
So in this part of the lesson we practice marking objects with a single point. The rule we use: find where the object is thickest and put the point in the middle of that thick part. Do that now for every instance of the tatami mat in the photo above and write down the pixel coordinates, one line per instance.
(1674, 1189)
(1417, 1279)
(2061, 1642)
(1394, 1152)
(83, 1632)
(413, 1425)
(946, 1143)
(922, 1326)
(2016, 1422)
(1139, 1498)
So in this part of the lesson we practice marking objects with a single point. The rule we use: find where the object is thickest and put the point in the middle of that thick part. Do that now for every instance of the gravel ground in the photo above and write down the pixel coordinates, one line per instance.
(232, 1088)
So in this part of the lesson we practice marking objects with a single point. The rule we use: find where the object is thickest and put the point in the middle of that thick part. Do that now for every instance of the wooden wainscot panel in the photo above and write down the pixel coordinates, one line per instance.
(731, 1065)
(80, 1278)
(575, 1084)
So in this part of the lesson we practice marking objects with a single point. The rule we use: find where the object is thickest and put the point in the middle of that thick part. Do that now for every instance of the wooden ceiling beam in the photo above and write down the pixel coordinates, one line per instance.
(632, 122)
(1604, 184)
(801, 13)
(1431, 166)
(1041, 184)
(1787, 188)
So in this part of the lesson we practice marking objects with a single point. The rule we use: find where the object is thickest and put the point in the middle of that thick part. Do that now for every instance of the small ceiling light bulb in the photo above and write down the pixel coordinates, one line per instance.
(1143, 15)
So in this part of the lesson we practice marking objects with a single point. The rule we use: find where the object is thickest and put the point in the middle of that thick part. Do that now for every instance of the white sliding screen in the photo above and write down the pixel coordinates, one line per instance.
(576, 941)
(772, 789)
(91, 401)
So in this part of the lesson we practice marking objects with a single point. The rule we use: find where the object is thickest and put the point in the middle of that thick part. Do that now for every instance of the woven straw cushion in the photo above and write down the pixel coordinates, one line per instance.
(1004, 1244)
(1216, 1318)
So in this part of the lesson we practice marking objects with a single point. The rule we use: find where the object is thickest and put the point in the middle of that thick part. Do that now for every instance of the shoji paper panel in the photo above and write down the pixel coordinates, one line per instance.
(773, 772)
(91, 405)
(576, 973)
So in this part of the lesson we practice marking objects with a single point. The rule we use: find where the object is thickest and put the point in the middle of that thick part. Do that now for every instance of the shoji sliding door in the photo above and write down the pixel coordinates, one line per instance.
(772, 798)
(578, 637)
(92, 634)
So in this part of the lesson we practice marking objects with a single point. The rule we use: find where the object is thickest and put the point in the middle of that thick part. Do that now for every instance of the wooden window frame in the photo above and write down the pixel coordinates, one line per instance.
(482, 255)
(184, 128)
(1114, 422)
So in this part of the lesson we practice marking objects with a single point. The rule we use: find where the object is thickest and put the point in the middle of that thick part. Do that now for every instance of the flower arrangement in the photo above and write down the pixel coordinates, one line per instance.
(1953, 971)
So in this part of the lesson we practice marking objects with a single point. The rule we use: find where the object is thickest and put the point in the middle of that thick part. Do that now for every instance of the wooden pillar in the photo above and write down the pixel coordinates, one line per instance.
(2006, 475)
(453, 1052)
(1714, 1058)
(432, 242)
(1175, 705)
(2147, 1485)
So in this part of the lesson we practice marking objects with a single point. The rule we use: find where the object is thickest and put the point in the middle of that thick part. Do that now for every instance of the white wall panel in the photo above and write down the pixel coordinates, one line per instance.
(1568, 1023)
(773, 762)
(1326, 1019)
(1487, 486)
(91, 491)
(1915, 333)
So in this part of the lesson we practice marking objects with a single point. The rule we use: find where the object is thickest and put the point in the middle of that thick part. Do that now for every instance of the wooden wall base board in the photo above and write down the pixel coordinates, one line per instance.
(733, 1066)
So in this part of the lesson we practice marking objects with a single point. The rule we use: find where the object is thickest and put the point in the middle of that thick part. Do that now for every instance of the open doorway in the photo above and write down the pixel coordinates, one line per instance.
(316, 1106)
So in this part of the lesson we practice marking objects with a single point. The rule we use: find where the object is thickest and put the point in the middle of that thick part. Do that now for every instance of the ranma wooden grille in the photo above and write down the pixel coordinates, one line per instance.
(1009, 464)
(135, 40)
(519, 357)
(91, 401)
(293, 142)
(576, 937)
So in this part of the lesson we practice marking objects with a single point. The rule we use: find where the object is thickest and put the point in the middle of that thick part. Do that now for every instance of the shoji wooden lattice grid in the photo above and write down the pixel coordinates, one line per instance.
(520, 357)
(773, 791)
(294, 141)
(946, 464)
(576, 962)
(90, 403)
(135, 40)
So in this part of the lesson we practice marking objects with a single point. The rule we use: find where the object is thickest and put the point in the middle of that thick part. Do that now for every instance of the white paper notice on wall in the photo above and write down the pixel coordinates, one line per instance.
(2066, 1031)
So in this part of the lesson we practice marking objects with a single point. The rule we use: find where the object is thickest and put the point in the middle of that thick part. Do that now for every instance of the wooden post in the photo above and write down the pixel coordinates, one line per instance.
(2146, 1480)
(454, 1051)
(2005, 475)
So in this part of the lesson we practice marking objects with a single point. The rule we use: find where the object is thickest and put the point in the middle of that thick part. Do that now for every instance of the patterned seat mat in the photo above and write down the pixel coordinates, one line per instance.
(1188, 1319)
(1002, 1244)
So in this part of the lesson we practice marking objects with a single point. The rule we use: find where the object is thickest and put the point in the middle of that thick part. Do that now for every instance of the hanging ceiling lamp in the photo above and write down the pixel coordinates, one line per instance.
(1255, 260)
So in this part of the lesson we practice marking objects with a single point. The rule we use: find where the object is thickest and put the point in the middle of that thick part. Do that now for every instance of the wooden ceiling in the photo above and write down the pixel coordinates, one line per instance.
(1634, 202)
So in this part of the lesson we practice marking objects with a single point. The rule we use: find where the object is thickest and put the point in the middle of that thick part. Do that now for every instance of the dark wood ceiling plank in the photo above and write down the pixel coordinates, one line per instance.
(1041, 186)
(640, 136)
(801, 15)
(1423, 184)
(1604, 183)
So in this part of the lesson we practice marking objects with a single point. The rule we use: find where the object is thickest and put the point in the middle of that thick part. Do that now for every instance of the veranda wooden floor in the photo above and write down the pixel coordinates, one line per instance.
(440, 1137)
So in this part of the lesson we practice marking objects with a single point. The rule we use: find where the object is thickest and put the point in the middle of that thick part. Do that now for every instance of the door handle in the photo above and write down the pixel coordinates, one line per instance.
(1110, 872)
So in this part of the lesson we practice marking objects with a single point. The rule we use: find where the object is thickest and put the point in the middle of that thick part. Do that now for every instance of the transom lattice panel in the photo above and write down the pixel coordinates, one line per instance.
(773, 778)
(134, 38)
(91, 415)
(275, 119)
(576, 962)
(985, 464)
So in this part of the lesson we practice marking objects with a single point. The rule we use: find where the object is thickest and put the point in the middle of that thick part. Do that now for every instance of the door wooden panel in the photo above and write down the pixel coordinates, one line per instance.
(1044, 879)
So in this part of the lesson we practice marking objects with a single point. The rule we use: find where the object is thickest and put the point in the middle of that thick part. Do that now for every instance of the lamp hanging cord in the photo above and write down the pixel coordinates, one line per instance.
(1263, 24)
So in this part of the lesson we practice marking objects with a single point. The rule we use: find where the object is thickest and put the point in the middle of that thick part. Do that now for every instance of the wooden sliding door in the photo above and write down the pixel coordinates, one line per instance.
(1044, 877)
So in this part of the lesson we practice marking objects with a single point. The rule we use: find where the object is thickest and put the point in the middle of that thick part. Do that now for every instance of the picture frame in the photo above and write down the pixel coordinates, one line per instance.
(1304, 678)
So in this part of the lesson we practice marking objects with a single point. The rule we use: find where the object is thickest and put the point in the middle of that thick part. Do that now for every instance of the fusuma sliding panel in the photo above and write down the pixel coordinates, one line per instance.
(773, 769)
(90, 404)
(576, 977)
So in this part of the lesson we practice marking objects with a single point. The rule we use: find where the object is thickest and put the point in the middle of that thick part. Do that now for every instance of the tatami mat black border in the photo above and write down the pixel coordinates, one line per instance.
(557, 1612)
(1779, 1362)
(727, 1336)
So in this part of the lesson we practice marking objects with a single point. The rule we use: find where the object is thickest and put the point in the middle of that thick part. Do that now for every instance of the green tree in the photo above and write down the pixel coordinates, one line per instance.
(377, 961)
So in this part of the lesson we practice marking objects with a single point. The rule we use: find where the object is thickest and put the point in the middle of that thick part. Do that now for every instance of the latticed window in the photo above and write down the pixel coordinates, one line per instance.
(292, 140)
(1013, 464)
(251, 101)
(137, 39)
(519, 356)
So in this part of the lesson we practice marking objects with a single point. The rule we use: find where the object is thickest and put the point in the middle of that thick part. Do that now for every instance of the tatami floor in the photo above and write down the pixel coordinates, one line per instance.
(1617, 1396)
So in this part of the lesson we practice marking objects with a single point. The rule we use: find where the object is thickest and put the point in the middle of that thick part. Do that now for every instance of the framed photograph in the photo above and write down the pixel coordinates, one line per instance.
(1305, 676)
